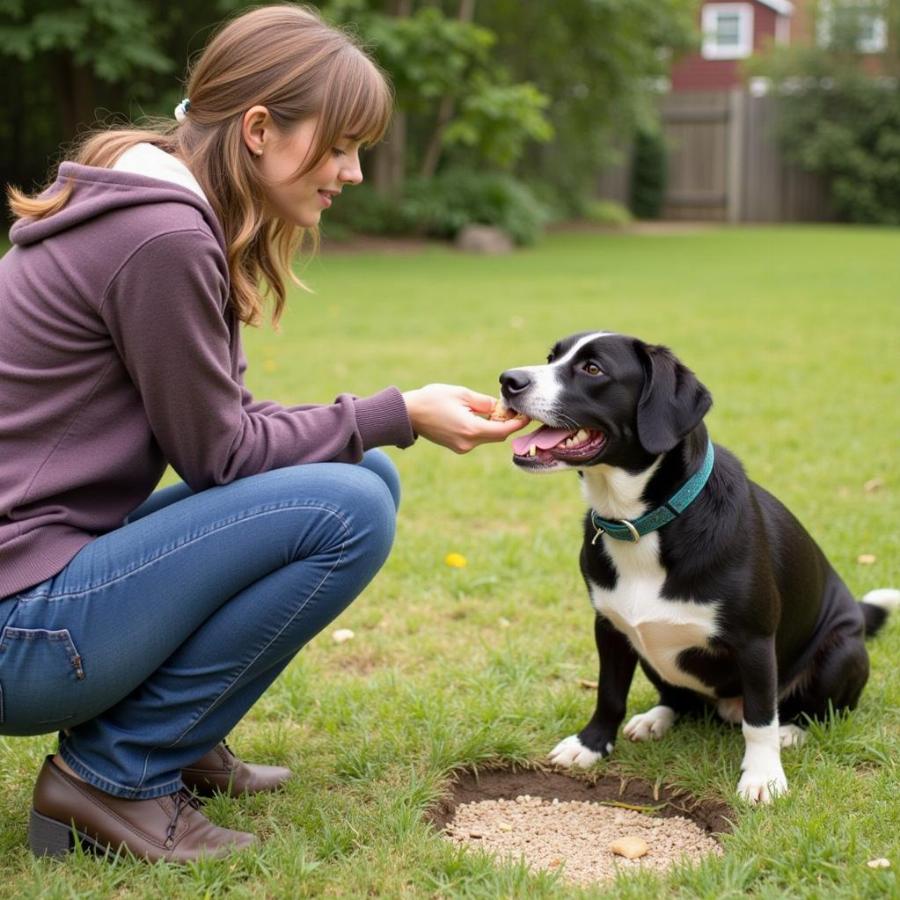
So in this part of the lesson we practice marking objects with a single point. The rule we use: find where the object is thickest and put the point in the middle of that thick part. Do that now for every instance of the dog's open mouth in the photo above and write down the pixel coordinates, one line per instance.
(548, 445)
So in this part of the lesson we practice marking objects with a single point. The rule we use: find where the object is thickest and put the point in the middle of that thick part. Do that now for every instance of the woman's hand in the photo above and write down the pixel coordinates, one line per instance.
(453, 417)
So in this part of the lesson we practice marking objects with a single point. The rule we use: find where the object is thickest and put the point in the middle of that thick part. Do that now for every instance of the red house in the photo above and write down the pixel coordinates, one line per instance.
(731, 31)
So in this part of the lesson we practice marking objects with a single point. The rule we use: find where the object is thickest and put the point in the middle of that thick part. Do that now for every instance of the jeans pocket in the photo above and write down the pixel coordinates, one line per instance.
(40, 670)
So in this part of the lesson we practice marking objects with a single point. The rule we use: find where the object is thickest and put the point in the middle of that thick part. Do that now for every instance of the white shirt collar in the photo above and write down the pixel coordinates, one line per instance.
(148, 160)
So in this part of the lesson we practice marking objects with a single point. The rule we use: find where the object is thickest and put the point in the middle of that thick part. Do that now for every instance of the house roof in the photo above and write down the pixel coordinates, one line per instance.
(782, 7)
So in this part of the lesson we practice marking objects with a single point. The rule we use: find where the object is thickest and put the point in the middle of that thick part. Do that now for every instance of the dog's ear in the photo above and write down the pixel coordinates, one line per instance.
(673, 401)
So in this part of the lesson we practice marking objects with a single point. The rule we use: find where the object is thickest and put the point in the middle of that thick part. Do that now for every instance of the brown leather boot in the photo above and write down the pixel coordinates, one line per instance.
(221, 770)
(171, 828)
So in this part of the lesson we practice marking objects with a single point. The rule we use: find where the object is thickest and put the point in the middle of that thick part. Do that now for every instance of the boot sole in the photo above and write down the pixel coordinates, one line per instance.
(49, 837)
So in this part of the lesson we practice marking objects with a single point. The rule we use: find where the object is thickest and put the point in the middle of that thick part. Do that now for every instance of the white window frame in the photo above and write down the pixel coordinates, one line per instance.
(709, 24)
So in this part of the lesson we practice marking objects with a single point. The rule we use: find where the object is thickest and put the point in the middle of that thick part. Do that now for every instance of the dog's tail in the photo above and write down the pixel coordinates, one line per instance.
(876, 605)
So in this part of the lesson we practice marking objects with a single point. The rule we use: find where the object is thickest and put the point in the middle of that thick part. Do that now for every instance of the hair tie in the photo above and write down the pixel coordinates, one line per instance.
(181, 110)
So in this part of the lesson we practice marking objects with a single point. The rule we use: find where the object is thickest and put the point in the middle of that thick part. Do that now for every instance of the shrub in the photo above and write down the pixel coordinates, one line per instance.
(442, 206)
(362, 209)
(648, 174)
(607, 212)
(848, 130)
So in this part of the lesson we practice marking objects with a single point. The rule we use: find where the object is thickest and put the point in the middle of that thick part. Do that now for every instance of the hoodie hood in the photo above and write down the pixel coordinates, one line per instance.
(147, 180)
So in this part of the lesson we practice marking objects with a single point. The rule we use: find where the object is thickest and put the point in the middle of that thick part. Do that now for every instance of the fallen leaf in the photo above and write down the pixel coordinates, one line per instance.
(866, 559)
(880, 863)
(872, 485)
(587, 685)
(341, 635)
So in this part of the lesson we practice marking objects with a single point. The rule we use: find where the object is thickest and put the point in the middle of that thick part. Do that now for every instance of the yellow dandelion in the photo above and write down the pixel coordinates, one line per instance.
(455, 560)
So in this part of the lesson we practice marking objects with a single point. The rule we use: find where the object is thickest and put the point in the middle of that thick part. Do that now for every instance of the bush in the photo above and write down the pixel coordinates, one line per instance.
(839, 121)
(648, 174)
(607, 212)
(442, 206)
(362, 209)
(848, 130)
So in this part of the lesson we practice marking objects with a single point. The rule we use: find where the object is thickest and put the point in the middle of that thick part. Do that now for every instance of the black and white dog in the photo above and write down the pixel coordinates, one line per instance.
(694, 571)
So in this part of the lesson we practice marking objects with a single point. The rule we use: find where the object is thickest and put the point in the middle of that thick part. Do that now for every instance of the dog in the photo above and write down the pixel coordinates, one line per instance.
(695, 572)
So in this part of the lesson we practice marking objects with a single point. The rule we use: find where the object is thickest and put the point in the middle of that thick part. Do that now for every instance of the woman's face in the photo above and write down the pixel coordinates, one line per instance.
(303, 200)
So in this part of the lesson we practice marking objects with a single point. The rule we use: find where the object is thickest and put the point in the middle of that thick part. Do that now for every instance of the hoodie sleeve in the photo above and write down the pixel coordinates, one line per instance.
(165, 312)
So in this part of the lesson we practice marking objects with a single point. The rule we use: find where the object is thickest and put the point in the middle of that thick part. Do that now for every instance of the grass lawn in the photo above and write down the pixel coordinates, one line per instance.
(795, 332)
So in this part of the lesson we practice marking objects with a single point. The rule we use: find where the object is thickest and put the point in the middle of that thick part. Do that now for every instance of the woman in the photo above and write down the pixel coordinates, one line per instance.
(139, 627)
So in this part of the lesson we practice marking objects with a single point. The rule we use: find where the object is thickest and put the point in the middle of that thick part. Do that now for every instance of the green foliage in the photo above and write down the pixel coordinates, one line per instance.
(443, 205)
(496, 120)
(598, 61)
(367, 211)
(607, 212)
(113, 38)
(648, 173)
(841, 121)
(434, 59)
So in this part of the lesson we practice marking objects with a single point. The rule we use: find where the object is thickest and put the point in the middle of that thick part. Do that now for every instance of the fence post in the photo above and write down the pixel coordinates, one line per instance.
(737, 123)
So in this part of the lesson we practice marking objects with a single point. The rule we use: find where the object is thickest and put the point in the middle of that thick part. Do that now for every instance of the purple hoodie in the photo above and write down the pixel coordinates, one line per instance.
(119, 355)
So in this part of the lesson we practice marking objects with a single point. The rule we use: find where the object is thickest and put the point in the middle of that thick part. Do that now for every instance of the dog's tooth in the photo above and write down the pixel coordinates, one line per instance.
(581, 436)
(532, 451)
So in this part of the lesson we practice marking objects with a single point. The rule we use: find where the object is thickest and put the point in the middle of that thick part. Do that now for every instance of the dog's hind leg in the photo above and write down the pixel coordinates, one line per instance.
(836, 680)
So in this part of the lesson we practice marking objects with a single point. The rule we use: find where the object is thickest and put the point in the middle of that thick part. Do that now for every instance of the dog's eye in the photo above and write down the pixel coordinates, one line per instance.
(591, 368)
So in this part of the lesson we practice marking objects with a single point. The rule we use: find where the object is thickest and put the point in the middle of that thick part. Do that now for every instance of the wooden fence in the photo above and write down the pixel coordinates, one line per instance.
(725, 165)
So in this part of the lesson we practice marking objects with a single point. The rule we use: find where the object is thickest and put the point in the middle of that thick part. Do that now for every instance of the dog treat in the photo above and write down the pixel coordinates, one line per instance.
(630, 847)
(502, 413)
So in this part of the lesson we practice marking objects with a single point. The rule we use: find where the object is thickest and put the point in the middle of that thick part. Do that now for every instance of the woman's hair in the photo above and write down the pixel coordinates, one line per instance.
(287, 59)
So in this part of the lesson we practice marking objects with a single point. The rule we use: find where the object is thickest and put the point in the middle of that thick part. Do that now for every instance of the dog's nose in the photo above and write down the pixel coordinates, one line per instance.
(514, 381)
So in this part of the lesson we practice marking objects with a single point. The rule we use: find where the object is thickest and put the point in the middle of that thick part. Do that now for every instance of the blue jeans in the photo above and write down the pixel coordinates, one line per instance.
(156, 638)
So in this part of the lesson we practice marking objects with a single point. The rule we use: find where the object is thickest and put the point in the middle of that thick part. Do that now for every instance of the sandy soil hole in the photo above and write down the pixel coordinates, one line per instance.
(566, 824)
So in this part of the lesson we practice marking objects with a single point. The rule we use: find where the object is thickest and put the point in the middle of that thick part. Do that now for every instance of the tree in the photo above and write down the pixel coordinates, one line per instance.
(450, 89)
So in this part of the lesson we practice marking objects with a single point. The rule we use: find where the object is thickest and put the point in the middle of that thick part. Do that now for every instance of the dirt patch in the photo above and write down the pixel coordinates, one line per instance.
(557, 822)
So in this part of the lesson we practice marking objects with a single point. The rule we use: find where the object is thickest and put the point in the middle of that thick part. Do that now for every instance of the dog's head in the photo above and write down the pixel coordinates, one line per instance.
(603, 398)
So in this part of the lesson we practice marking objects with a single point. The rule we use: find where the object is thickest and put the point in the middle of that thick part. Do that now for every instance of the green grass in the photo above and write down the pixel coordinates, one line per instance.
(794, 330)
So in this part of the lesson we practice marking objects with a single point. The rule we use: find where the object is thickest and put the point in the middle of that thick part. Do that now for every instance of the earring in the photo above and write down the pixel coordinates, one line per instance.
(258, 152)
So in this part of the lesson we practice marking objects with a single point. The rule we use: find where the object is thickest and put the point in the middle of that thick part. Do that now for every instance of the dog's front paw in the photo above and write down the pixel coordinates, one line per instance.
(764, 784)
(571, 752)
(651, 725)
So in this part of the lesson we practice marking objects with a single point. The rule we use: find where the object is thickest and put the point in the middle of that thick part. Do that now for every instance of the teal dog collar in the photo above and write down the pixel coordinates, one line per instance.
(624, 530)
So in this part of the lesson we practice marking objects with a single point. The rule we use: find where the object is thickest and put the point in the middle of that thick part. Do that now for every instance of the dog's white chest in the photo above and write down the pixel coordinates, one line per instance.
(658, 629)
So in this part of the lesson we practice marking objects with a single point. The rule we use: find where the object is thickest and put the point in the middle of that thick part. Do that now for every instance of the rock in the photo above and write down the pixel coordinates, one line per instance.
(484, 239)
(341, 635)
(631, 847)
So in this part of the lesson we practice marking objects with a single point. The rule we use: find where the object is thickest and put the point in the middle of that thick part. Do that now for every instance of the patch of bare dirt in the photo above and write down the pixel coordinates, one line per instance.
(560, 823)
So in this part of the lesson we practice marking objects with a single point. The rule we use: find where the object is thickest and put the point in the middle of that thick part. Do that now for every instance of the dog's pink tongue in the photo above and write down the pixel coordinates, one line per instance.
(544, 438)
